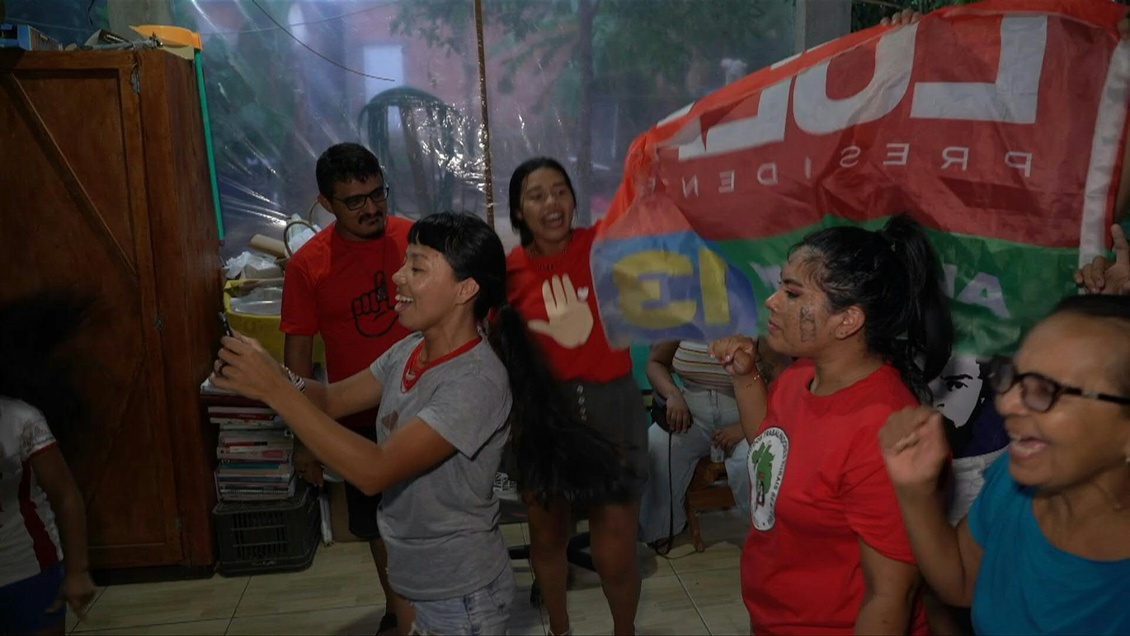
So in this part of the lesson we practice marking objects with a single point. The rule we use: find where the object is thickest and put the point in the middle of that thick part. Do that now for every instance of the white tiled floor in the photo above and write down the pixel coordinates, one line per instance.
(684, 593)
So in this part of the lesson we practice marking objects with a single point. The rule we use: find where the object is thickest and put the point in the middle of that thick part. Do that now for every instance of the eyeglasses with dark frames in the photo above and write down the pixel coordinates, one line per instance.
(357, 201)
(1038, 392)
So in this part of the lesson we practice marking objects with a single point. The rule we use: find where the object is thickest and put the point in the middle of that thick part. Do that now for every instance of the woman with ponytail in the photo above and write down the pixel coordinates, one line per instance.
(865, 316)
(447, 398)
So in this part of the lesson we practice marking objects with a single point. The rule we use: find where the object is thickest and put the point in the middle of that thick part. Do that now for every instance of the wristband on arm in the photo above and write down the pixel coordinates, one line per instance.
(298, 381)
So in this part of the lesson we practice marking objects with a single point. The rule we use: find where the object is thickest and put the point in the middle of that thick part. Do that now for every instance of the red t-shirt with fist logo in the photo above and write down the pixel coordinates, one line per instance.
(344, 291)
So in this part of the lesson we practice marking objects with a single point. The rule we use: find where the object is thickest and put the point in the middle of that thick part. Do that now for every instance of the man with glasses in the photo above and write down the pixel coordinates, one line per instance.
(339, 285)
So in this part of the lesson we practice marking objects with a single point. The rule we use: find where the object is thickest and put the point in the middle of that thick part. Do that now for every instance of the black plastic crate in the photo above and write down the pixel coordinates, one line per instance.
(255, 537)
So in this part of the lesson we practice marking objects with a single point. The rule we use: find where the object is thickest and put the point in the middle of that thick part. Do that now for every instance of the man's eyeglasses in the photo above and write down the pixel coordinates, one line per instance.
(1038, 392)
(357, 201)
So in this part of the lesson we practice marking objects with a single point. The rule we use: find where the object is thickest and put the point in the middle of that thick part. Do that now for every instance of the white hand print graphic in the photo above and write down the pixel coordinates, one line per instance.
(570, 319)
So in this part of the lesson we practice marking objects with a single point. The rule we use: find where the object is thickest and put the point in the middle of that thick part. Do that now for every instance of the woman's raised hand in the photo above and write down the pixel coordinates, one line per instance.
(737, 354)
(914, 448)
(1101, 276)
(906, 16)
(245, 367)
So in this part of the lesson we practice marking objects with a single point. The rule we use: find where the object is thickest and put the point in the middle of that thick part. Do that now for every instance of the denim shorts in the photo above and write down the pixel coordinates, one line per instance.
(23, 604)
(484, 611)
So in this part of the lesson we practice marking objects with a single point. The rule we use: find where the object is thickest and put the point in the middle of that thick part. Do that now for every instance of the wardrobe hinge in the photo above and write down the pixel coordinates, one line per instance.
(135, 80)
(159, 322)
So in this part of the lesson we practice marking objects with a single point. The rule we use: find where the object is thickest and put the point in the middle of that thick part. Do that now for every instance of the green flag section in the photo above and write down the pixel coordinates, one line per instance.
(997, 288)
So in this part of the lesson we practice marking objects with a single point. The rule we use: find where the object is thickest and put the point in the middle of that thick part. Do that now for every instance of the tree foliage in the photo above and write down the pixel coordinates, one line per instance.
(646, 58)
(658, 38)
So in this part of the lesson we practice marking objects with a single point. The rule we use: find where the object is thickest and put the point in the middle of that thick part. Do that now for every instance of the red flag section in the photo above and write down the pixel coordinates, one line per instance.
(1002, 119)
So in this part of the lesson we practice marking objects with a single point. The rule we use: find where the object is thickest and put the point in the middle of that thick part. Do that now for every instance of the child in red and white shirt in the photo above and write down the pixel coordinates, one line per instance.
(41, 569)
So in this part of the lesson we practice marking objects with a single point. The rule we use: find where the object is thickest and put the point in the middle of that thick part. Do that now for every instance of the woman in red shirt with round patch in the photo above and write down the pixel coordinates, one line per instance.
(865, 316)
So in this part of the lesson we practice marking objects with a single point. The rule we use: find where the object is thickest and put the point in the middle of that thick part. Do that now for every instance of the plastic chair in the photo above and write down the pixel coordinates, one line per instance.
(438, 151)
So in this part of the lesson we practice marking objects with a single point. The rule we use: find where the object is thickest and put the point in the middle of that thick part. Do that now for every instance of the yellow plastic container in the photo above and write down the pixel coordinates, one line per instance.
(265, 329)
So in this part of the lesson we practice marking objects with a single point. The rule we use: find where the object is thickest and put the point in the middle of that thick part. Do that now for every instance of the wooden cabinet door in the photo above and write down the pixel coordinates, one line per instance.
(76, 214)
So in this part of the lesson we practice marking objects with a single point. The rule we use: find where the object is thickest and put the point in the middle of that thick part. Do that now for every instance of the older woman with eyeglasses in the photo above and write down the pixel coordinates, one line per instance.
(1046, 546)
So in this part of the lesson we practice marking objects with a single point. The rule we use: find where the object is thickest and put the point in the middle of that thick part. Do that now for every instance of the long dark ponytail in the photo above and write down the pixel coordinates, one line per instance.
(558, 455)
(895, 277)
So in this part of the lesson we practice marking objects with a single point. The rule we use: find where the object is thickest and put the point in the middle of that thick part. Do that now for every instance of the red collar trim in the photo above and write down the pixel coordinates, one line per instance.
(413, 371)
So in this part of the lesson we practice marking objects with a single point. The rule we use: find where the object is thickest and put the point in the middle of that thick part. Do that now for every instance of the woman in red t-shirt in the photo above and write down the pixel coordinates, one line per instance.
(549, 281)
(865, 315)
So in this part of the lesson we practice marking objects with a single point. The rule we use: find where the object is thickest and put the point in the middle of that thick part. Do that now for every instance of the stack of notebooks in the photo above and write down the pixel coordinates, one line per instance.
(255, 454)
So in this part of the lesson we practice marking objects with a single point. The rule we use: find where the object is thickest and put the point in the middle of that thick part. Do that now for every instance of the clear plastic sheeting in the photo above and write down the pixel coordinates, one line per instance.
(574, 79)
(579, 80)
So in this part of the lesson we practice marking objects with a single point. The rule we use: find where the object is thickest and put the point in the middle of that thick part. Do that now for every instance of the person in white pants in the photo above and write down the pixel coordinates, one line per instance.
(700, 415)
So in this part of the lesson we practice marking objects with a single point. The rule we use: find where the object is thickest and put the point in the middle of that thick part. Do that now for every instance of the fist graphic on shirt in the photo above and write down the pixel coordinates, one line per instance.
(373, 311)
(569, 317)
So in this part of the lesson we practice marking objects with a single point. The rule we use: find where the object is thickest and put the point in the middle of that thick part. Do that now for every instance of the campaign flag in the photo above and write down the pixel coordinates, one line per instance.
(998, 125)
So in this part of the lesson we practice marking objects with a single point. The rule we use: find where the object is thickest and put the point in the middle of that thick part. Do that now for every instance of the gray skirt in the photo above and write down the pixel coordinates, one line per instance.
(616, 409)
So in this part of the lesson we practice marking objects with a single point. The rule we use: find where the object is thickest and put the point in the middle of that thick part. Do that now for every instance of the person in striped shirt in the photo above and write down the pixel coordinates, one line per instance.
(701, 414)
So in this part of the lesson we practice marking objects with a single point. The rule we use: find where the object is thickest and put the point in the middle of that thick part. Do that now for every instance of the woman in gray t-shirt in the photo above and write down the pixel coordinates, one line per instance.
(445, 409)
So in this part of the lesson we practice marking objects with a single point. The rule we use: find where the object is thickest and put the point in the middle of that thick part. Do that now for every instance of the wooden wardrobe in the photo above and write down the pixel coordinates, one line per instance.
(104, 188)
